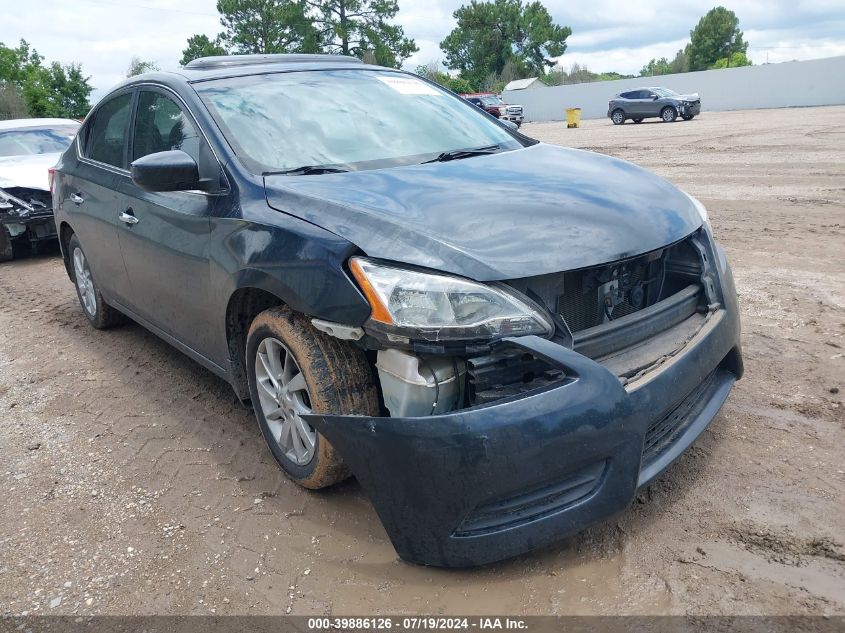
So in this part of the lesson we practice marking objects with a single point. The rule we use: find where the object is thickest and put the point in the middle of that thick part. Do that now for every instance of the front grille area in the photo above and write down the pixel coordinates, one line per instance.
(663, 433)
(527, 506)
(596, 296)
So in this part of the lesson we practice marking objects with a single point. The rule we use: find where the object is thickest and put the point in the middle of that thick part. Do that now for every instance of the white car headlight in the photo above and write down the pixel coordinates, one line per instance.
(702, 210)
(438, 307)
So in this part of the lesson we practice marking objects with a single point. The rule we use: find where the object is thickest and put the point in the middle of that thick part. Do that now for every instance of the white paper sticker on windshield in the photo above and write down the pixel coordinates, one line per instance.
(409, 85)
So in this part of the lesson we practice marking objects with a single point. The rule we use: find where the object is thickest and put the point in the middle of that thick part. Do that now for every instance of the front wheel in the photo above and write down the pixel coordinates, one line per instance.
(618, 117)
(668, 114)
(99, 314)
(295, 370)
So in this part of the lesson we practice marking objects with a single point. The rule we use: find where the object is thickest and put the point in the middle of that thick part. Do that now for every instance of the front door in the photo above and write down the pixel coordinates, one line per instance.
(164, 236)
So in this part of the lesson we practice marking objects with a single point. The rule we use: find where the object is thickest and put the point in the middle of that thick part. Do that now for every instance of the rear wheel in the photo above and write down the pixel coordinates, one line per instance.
(6, 251)
(618, 117)
(668, 114)
(99, 314)
(295, 370)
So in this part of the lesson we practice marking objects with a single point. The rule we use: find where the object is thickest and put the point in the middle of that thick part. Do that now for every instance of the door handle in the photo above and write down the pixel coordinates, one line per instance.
(76, 198)
(126, 216)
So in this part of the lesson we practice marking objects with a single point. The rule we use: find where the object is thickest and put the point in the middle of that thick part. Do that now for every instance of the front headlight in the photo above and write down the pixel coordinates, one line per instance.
(437, 307)
(702, 210)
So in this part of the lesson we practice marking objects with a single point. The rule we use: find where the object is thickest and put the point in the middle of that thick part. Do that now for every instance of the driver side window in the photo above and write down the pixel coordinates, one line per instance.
(161, 125)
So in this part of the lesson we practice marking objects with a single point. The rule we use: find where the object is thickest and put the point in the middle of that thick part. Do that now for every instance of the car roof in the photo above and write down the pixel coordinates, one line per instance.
(14, 124)
(225, 66)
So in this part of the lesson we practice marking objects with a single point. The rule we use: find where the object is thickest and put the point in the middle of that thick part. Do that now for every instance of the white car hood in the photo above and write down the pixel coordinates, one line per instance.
(27, 171)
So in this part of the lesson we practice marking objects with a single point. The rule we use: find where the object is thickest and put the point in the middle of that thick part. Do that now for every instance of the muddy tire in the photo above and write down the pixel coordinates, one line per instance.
(618, 117)
(99, 313)
(337, 379)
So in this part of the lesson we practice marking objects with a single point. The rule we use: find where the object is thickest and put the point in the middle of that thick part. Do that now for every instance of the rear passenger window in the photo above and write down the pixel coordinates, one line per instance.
(161, 125)
(107, 137)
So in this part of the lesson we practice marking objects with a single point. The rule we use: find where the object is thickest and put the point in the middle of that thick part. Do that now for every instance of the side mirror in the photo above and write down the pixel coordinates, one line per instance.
(173, 170)
(654, 97)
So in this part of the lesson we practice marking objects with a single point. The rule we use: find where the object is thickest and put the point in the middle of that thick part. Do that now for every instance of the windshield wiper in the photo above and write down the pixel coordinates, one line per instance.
(307, 170)
(456, 154)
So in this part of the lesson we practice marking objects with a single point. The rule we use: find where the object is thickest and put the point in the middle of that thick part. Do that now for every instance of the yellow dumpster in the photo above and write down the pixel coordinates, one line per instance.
(573, 117)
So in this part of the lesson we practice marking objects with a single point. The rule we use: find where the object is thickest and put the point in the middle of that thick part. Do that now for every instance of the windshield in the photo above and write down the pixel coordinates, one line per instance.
(665, 92)
(36, 140)
(491, 101)
(353, 119)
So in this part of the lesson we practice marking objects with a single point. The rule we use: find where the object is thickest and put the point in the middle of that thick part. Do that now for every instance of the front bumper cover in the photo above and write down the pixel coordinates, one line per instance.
(490, 482)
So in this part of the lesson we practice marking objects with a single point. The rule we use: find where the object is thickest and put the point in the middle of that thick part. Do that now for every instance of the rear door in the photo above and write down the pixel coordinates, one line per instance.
(90, 194)
(165, 240)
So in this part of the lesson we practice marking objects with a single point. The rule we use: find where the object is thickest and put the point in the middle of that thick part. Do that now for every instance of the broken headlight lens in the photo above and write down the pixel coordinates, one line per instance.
(439, 307)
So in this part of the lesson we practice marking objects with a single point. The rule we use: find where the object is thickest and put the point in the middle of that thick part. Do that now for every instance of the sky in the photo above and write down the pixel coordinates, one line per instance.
(607, 35)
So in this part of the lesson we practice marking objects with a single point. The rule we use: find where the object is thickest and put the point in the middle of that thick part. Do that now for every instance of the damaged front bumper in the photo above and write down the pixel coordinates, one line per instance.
(26, 220)
(489, 482)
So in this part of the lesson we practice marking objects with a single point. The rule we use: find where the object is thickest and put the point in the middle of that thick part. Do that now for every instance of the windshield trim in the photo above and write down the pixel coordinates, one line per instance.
(259, 169)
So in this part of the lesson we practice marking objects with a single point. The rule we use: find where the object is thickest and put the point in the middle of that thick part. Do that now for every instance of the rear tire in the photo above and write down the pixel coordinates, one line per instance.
(99, 313)
(618, 117)
(7, 254)
(337, 379)
(668, 114)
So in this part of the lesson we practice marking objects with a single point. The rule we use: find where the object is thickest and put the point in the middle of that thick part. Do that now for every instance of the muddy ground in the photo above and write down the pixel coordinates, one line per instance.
(132, 481)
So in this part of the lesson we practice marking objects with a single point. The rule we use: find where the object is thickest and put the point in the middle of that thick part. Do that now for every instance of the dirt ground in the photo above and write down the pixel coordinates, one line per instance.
(133, 482)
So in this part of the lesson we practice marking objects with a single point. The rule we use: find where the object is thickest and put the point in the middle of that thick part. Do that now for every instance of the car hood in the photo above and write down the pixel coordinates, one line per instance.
(515, 214)
(27, 171)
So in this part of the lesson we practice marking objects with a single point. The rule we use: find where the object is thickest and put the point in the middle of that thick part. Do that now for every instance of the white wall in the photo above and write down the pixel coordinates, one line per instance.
(810, 83)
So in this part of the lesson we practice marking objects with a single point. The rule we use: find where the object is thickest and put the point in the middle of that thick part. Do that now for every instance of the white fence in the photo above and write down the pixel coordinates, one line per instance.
(810, 83)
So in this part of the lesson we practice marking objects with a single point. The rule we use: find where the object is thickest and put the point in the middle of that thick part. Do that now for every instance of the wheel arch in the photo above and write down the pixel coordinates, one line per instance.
(65, 233)
(245, 303)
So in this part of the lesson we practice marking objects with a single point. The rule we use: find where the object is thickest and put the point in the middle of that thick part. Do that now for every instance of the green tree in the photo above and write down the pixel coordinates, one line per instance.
(267, 26)
(12, 105)
(432, 72)
(16, 64)
(490, 34)
(716, 36)
(138, 66)
(680, 64)
(735, 60)
(55, 90)
(202, 46)
(656, 67)
(358, 27)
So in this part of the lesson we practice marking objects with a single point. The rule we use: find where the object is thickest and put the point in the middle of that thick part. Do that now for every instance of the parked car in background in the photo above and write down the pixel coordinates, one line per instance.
(645, 103)
(28, 150)
(493, 104)
(503, 340)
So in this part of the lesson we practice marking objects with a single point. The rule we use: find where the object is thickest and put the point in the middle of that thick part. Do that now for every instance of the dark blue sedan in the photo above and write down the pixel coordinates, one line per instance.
(502, 340)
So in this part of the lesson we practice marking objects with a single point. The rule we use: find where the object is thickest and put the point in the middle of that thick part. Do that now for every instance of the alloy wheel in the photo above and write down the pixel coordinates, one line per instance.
(283, 396)
(84, 282)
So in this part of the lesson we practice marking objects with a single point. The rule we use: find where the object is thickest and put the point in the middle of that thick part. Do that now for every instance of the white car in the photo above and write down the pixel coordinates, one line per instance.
(28, 149)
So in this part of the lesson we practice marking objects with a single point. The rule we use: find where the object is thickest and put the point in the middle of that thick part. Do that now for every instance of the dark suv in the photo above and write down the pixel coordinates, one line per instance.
(502, 340)
(644, 103)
